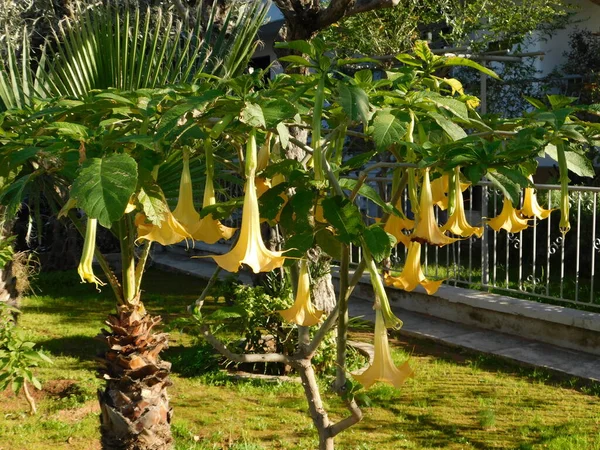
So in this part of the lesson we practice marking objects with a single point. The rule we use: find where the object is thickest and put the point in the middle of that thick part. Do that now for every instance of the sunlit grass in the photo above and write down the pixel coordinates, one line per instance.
(456, 400)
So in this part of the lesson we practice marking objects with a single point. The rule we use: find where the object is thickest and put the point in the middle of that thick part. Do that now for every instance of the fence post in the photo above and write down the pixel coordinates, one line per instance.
(485, 256)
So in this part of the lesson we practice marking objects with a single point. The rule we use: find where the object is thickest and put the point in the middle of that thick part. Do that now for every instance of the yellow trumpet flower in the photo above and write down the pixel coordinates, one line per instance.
(250, 248)
(457, 222)
(426, 229)
(531, 207)
(382, 368)
(412, 273)
(84, 269)
(169, 232)
(207, 229)
(303, 311)
(509, 219)
(395, 225)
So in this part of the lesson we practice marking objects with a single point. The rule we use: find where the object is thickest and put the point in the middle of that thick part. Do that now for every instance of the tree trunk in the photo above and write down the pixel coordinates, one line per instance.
(9, 295)
(135, 412)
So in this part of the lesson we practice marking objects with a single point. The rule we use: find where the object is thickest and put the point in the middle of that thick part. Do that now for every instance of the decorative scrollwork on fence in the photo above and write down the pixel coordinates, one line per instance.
(514, 239)
(555, 245)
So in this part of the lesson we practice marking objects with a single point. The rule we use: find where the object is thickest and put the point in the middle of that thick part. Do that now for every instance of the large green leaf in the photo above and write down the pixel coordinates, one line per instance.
(387, 129)
(368, 192)
(355, 102)
(453, 130)
(458, 61)
(379, 242)
(507, 185)
(345, 218)
(277, 110)
(153, 202)
(253, 115)
(577, 162)
(104, 186)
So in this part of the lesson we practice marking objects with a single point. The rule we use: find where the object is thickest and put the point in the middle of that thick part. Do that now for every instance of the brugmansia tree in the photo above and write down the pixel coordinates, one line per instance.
(95, 146)
(111, 144)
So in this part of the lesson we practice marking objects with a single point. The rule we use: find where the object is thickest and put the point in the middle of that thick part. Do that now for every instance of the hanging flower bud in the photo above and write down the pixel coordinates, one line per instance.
(412, 273)
(382, 368)
(84, 269)
(426, 229)
(457, 222)
(565, 224)
(250, 248)
(303, 312)
(509, 219)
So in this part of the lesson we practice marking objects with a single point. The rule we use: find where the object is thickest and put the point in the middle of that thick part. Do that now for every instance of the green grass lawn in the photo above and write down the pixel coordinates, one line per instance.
(455, 400)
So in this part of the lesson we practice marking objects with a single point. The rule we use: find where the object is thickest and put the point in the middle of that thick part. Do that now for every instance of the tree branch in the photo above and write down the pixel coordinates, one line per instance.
(240, 358)
(356, 416)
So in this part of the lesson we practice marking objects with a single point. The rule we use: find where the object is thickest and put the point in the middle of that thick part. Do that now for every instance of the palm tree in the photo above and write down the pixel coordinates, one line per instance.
(117, 47)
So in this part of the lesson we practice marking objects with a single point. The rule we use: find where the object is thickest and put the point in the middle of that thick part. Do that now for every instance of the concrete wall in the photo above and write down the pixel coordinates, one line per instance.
(556, 325)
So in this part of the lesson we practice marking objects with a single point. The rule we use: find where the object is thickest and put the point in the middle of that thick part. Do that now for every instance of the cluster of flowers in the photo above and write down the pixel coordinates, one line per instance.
(425, 228)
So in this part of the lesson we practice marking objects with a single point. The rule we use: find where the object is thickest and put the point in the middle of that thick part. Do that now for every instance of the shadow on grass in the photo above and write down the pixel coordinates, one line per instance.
(84, 348)
(491, 364)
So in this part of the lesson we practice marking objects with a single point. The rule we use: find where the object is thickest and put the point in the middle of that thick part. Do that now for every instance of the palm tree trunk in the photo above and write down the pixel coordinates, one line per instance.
(135, 412)
(134, 405)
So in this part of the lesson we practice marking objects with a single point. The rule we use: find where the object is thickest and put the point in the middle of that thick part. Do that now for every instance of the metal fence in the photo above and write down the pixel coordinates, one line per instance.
(538, 263)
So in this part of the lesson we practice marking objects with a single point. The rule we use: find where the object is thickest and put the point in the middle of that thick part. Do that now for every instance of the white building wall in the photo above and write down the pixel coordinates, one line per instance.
(554, 48)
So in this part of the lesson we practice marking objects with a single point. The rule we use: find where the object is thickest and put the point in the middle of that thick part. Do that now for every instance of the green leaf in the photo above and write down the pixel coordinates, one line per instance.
(299, 46)
(36, 383)
(346, 61)
(454, 131)
(357, 161)
(387, 129)
(456, 107)
(153, 202)
(271, 201)
(12, 195)
(364, 76)
(284, 135)
(328, 243)
(421, 49)
(222, 210)
(458, 61)
(296, 60)
(252, 115)
(535, 102)
(354, 101)
(277, 110)
(577, 162)
(227, 312)
(366, 191)
(74, 130)
(344, 216)
(299, 244)
(104, 186)
(379, 242)
(510, 189)
(474, 173)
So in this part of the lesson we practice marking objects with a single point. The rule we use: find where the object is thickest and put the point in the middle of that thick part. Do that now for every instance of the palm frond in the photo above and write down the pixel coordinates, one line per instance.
(111, 46)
